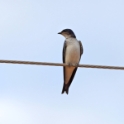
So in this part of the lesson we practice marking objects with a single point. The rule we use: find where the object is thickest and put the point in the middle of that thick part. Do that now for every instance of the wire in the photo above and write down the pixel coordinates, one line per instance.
(59, 64)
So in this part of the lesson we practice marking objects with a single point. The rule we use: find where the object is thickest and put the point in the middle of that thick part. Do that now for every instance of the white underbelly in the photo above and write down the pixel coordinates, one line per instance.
(72, 54)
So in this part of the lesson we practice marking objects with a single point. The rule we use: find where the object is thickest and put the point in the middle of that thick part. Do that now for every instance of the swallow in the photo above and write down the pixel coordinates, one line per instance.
(72, 51)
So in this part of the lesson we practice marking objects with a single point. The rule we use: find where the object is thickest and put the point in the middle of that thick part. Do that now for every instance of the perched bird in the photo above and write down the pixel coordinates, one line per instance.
(72, 51)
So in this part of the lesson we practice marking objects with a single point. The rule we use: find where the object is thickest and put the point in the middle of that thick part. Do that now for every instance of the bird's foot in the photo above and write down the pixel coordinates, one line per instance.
(71, 64)
(76, 64)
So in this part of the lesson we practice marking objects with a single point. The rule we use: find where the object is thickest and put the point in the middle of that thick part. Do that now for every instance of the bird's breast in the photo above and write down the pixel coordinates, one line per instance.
(72, 53)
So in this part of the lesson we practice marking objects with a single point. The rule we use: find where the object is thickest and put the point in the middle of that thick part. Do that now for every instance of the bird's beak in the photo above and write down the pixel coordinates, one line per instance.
(59, 33)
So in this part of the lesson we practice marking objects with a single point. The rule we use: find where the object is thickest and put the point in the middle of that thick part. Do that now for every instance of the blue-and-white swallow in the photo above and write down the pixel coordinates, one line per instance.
(72, 51)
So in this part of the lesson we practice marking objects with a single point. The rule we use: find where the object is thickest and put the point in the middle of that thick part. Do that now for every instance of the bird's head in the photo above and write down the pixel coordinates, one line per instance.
(67, 33)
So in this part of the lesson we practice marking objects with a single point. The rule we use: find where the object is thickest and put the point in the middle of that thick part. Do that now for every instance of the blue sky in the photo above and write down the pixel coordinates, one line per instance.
(32, 94)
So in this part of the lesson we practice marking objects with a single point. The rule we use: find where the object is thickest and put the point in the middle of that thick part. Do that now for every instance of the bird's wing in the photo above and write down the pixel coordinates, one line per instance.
(81, 48)
(64, 51)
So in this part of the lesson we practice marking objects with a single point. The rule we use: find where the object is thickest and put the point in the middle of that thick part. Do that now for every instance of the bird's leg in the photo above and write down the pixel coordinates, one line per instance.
(73, 64)
(69, 64)
(76, 64)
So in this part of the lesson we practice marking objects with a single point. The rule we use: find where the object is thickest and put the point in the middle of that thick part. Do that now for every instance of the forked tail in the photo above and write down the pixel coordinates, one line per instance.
(65, 88)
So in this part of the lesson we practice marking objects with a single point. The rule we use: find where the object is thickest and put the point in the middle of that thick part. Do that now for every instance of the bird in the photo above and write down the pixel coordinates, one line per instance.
(71, 55)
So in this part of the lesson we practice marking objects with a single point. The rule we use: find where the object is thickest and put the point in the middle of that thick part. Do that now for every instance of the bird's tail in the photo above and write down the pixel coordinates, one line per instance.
(65, 88)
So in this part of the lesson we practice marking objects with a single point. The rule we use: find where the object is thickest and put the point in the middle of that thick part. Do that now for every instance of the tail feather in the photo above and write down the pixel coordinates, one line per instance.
(65, 88)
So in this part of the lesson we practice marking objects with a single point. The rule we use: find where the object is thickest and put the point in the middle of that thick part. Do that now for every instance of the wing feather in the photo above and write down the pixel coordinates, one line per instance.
(81, 48)
(64, 51)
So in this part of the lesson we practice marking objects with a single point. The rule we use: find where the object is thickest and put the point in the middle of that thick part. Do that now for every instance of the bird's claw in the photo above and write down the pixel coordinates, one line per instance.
(75, 64)
(71, 64)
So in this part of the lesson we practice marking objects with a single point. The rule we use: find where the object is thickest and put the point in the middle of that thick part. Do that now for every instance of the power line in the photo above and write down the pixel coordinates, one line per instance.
(60, 64)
